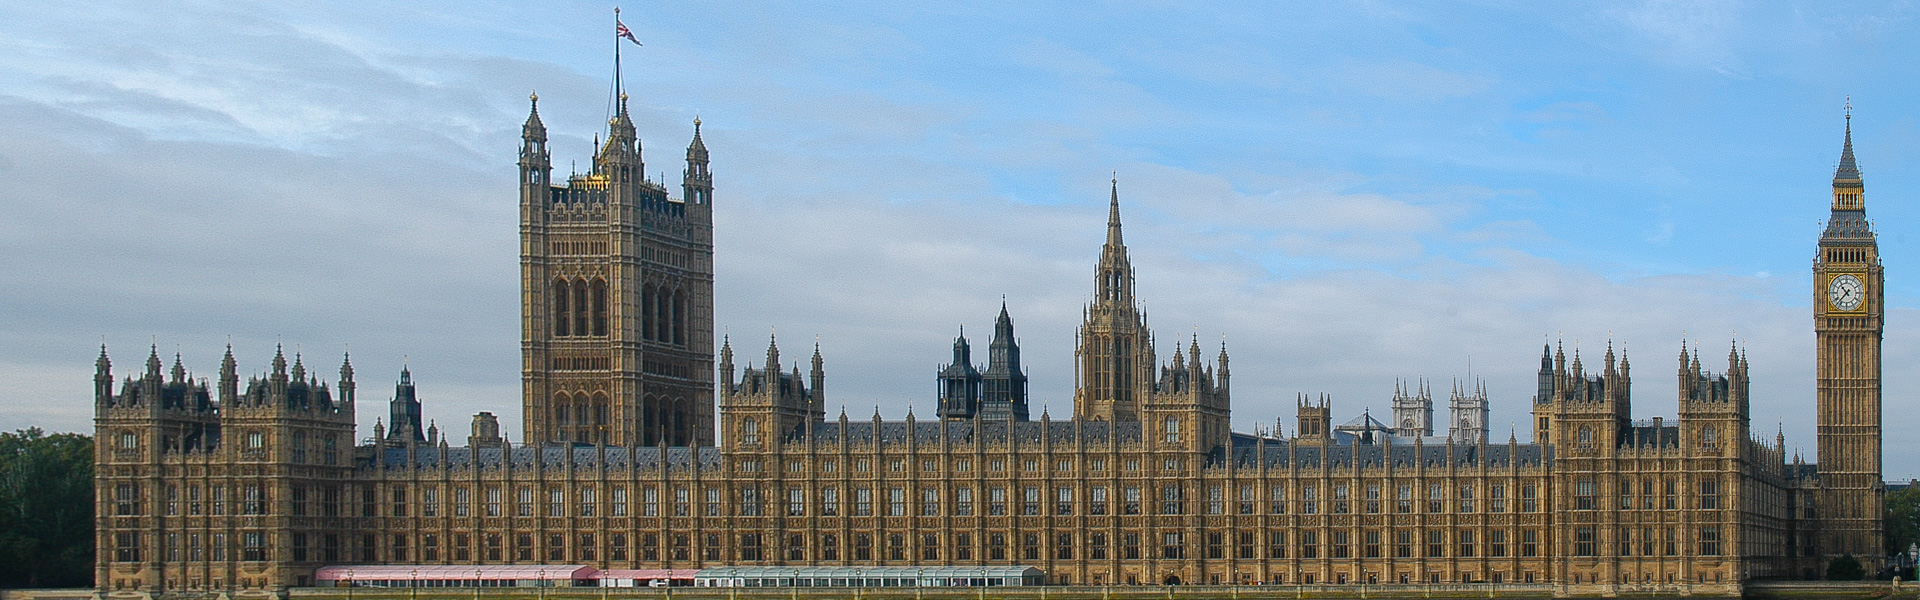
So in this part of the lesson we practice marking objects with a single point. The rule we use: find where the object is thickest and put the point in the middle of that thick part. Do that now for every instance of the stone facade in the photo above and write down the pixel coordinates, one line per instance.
(250, 492)
(616, 296)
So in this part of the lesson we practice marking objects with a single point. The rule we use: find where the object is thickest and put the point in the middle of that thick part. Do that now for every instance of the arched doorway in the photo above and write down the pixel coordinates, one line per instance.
(1171, 580)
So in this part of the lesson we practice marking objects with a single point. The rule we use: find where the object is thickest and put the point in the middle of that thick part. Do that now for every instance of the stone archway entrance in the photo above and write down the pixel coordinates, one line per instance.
(1171, 580)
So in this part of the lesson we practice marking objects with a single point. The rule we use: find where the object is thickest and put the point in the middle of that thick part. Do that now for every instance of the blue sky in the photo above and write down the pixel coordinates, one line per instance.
(1349, 192)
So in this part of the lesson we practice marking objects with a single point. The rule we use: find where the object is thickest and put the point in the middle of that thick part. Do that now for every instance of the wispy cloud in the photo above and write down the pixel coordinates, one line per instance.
(1349, 194)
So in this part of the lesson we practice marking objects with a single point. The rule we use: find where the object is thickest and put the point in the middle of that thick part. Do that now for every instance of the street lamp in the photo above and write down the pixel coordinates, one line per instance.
(413, 585)
(349, 584)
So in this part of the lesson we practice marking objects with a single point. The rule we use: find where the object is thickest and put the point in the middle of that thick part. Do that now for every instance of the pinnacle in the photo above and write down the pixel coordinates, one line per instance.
(1848, 170)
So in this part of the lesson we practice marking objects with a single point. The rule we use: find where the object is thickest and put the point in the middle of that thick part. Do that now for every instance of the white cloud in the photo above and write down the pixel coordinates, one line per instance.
(318, 184)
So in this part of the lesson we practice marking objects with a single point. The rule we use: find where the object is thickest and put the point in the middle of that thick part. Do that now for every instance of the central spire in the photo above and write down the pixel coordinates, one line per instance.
(1115, 272)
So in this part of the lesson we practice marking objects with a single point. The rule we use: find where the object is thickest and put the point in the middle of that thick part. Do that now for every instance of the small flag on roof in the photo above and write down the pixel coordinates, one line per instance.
(620, 30)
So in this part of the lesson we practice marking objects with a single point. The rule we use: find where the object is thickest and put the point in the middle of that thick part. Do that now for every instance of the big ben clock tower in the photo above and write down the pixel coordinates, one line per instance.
(1848, 319)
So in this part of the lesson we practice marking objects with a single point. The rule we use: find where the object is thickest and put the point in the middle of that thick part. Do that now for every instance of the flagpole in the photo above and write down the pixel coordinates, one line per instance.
(617, 88)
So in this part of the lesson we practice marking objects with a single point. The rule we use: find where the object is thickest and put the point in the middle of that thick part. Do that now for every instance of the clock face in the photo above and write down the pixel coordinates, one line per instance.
(1846, 292)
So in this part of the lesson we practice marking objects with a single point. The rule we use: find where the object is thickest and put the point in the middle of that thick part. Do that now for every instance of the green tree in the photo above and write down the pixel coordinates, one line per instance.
(1845, 568)
(46, 509)
(1903, 519)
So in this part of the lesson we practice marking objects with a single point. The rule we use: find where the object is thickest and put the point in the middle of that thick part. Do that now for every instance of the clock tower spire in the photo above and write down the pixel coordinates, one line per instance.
(1848, 322)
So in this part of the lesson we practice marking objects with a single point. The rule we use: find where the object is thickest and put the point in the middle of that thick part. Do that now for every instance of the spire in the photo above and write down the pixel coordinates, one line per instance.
(102, 377)
(697, 150)
(279, 362)
(533, 129)
(346, 378)
(404, 412)
(153, 362)
(1113, 213)
(773, 357)
(179, 371)
(1847, 171)
(299, 370)
(726, 364)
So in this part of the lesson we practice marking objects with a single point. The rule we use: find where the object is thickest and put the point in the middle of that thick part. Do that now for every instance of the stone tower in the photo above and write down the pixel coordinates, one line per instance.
(1115, 361)
(1848, 323)
(960, 383)
(766, 406)
(1468, 411)
(616, 296)
(1412, 410)
(403, 416)
(1003, 386)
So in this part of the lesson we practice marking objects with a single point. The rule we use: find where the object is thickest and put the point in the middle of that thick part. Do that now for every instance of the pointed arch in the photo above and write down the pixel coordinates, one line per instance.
(600, 407)
(561, 326)
(646, 311)
(599, 294)
(681, 416)
(679, 317)
(580, 307)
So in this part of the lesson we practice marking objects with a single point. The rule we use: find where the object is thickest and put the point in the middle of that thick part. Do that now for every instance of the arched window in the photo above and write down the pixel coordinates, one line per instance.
(561, 326)
(750, 431)
(663, 303)
(580, 307)
(646, 312)
(599, 307)
(680, 318)
(1711, 437)
(680, 435)
(1586, 435)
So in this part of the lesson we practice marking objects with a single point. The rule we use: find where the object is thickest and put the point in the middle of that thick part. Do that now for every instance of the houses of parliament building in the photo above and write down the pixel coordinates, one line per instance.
(646, 447)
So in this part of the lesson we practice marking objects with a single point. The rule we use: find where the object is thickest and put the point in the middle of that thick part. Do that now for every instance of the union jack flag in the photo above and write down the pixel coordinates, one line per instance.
(620, 30)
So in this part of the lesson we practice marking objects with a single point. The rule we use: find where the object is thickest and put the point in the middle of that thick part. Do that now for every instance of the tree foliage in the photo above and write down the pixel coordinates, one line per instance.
(46, 509)
(1903, 519)
(1845, 568)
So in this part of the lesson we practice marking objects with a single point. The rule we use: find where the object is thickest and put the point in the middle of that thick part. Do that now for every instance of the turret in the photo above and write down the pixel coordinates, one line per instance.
(726, 365)
(1221, 375)
(817, 402)
(697, 181)
(1003, 386)
(103, 378)
(346, 380)
(404, 411)
(960, 383)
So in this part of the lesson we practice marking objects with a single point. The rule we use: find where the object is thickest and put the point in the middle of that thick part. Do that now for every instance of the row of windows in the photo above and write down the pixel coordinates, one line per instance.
(129, 546)
(195, 500)
(1128, 545)
(255, 442)
(1586, 494)
(1649, 541)
(579, 308)
(1167, 499)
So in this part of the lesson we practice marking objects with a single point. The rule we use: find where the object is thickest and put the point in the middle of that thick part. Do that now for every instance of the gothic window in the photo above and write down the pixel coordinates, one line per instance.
(1711, 437)
(561, 326)
(646, 312)
(750, 431)
(599, 307)
(679, 318)
(1172, 429)
(580, 307)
